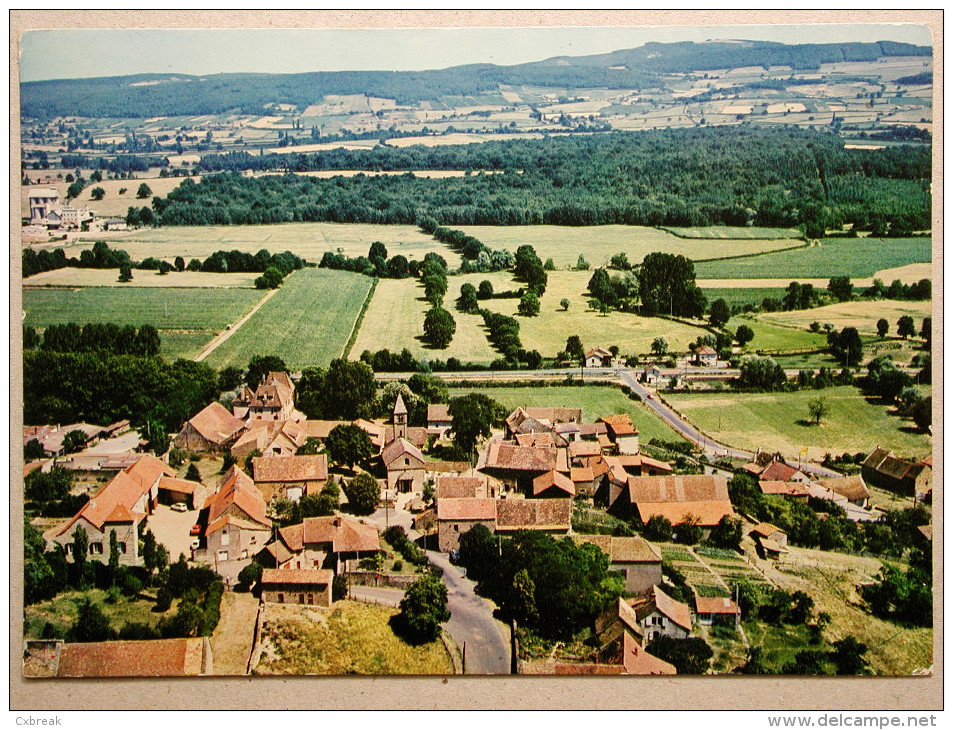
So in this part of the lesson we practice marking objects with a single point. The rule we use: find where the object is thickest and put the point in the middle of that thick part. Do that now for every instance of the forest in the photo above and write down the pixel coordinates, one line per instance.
(683, 177)
(637, 68)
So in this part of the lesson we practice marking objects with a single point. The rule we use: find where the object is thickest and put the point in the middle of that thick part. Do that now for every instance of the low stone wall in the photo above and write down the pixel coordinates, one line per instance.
(381, 580)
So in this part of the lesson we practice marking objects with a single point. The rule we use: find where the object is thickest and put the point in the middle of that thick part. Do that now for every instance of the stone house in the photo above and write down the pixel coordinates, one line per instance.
(439, 420)
(622, 433)
(290, 477)
(404, 466)
(455, 517)
(639, 561)
(661, 615)
(212, 430)
(272, 399)
(320, 542)
(711, 609)
(305, 587)
(234, 521)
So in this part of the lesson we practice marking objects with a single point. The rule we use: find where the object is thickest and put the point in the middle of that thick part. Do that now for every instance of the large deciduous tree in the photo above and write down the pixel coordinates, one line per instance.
(667, 286)
(363, 494)
(439, 327)
(422, 609)
(472, 415)
(349, 444)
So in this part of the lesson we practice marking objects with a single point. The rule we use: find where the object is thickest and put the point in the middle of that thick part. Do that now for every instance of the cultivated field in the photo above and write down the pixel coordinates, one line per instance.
(780, 422)
(349, 638)
(738, 295)
(548, 332)
(733, 232)
(595, 401)
(70, 277)
(395, 320)
(862, 315)
(853, 257)
(186, 318)
(306, 323)
(308, 240)
(599, 243)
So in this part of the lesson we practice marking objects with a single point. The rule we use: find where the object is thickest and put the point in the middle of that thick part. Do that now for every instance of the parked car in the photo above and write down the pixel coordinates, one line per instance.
(195, 543)
(180, 507)
(196, 530)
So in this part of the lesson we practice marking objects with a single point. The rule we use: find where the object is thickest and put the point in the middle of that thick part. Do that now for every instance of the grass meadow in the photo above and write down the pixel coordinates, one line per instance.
(861, 314)
(350, 638)
(780, 422)
(768, 336)
(734, 232)
(70, 277)
(854, 257)
(306, 323)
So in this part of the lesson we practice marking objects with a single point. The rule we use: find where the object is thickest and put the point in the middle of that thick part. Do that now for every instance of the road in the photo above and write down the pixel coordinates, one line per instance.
(483, 640)
(374, 594)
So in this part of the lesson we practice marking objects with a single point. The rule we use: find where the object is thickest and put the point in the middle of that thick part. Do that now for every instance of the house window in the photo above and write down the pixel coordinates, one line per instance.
(301, 598)
(310, 599)
(456, 528)
(95, 548)
(223, 554)
(406, 461)
(226, 538)
(281, 598)
(316, 563)
(122, 547)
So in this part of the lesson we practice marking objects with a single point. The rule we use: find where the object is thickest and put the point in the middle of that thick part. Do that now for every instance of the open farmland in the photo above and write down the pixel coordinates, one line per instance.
(395, 320)
(779, 422)
(186, 318)
(306, 323)
(599, 243)
(853, 257)
(862, 314)
(548, 332)
(774, 337)
(740, 295)
(70, 277)
(112, 204)
(596, 401)
(308, 240)
(733, 232)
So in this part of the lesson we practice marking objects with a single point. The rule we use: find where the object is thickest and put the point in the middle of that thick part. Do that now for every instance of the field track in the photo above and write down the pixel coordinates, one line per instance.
(219, 339)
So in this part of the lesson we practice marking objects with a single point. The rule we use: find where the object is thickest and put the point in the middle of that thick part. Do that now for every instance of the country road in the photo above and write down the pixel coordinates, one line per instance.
(483, 640)
(232, 329)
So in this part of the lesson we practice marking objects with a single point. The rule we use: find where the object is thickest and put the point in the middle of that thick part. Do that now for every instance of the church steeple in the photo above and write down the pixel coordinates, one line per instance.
(400, 418)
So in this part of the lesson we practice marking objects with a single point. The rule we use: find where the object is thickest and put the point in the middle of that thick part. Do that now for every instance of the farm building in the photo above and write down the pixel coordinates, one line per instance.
(213, 429)
(639, 561)
(455, 517)
(676, 498)
(598, 358)
(517, 466)
(882, 469)
(290, 477)
(553, 484)
(851, 488)
(306, 587)
(172, 490)
(541, 515)
(270, 438)
(622, 433)
(794, 490)
(117, 508)
(455, 487)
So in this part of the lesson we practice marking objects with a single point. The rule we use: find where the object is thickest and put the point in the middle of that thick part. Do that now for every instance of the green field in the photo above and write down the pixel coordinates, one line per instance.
(595, 401)
(186, 318)
(769, 336)
(306, 323)
(548, 332)
(778, 422)
(742, 296)
(70, 277)
(854, 257)
(599, 243)
(395, 320)
(308, 240)
(734, 232)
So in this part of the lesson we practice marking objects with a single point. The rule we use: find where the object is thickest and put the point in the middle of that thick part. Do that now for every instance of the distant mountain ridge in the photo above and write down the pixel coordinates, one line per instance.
(147, 95)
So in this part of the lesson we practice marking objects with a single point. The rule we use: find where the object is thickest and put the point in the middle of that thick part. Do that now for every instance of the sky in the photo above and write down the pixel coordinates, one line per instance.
(86, 53)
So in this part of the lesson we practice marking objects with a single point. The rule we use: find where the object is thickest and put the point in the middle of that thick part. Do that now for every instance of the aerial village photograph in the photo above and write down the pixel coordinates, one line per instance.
(609, 356)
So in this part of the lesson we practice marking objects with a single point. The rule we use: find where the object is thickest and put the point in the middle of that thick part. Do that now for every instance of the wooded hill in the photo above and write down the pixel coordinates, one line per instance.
(637, 68)
(779, 177)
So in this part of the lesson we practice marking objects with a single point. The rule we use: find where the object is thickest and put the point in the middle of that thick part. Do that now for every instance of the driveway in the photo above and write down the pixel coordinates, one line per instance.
(172, 530)
(483, 640)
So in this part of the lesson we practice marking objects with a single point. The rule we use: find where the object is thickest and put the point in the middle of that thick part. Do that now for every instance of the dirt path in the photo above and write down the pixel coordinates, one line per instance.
(233, 637)
(221, 337)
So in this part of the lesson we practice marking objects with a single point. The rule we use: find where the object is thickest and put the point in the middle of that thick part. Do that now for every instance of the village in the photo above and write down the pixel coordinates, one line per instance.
(298, 515)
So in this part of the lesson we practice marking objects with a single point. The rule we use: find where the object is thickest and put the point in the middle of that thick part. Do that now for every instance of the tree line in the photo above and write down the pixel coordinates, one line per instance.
(106, 338)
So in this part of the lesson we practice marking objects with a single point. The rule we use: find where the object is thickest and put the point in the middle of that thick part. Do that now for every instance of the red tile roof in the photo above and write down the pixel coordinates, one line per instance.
(766, 529)
(511, 457)
(778, 471)
(439, 412)
(636, 660)
(790, 489)
(153, 658)
(343, 534)
(239, 490)
(623, 549)
(553, 479)
(290, 468)
(466, 509)
(533, 514)
(717, 605)
(178, 485)
(620, 424)
(708, 514)
(456, 487)
(291, 576)
(215, 424)
(681, 488)
(400, 447)
(656, 599)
